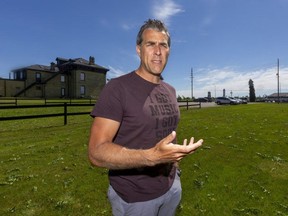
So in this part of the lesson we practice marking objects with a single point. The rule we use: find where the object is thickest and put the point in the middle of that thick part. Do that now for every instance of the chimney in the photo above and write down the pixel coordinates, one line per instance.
(91, 60)
(52, 66)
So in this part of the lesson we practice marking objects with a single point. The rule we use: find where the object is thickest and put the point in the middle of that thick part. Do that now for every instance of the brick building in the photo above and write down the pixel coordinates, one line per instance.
(67, 78)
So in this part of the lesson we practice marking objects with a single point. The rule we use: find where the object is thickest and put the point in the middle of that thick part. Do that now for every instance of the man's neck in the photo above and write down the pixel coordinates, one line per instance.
(148, 76)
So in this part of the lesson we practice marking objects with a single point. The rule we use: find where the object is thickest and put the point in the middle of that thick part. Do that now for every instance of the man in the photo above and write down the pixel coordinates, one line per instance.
(133, 132)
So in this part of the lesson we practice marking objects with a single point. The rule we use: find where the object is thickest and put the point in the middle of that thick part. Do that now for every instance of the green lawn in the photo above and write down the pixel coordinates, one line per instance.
(240, 170)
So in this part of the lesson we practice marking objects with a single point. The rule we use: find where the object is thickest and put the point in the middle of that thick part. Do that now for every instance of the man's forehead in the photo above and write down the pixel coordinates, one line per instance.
(154, 34)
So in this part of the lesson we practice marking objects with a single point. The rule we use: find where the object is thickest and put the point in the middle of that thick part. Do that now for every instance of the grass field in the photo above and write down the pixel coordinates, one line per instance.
(242, 168)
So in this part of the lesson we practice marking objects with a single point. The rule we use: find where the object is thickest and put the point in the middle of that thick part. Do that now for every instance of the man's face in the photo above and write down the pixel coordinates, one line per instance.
(153, 51)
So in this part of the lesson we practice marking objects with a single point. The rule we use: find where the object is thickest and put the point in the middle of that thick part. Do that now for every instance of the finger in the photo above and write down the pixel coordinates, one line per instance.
(194, 146)
(170, 137)
(191, 140)
(185, 142)
(199, 143)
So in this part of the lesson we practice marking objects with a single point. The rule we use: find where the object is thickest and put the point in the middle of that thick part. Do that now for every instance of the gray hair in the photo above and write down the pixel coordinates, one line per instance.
(152, 24)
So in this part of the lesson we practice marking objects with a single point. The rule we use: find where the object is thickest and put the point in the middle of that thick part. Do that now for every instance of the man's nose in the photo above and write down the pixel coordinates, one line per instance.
(157, 50)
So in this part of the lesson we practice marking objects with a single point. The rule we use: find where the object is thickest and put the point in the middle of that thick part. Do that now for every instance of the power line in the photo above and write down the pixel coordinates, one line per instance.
(278, 86)
(192, 83)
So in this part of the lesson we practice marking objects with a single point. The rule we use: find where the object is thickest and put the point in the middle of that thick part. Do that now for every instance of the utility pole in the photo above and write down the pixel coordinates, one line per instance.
(278, 87)
(192, 84)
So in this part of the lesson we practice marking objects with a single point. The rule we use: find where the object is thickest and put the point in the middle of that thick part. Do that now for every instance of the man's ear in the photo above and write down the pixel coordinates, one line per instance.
(138, 50)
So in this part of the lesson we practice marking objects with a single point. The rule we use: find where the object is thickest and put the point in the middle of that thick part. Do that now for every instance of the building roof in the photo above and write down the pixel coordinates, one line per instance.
(79, 61)
(63, 62)
(38, 68)
(275, 95)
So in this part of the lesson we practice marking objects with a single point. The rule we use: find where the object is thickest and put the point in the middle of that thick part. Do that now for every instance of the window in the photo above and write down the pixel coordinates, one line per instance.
(21, 75)
(62, 92)
(62, 78)
(82, 76)
(82, 90)
(38, 77)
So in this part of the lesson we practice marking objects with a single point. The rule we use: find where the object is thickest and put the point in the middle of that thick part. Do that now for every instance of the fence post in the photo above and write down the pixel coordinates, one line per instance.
(187, 104)
(65, 113)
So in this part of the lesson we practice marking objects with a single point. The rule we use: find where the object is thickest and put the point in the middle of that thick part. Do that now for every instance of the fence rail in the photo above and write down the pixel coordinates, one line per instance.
(65, 113)
(17, 101)
(188, 104)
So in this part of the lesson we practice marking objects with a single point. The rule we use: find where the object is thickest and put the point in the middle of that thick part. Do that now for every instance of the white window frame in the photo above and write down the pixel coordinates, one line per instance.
(82, 76)
(62, 78)
(82, 90)
(62, 92)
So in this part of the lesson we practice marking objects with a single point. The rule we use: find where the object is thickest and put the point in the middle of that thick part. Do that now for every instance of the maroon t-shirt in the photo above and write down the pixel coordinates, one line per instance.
(147, 112)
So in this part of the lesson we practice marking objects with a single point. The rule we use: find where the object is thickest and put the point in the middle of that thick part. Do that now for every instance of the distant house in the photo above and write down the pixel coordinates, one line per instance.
(283, 97)
(67, 78)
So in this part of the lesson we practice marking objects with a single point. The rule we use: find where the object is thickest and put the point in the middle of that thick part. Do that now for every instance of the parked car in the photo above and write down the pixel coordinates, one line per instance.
(238, 100)
(225, 100)
(244, 100)
(201, 100)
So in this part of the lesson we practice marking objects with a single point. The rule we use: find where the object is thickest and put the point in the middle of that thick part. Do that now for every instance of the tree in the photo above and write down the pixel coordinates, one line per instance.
(251, 91)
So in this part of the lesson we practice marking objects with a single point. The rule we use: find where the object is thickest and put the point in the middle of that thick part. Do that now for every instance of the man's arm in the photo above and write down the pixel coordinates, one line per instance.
(104, 153)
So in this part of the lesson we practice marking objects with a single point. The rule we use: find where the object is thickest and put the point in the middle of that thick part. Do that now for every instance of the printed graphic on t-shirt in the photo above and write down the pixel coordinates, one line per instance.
(164, 112)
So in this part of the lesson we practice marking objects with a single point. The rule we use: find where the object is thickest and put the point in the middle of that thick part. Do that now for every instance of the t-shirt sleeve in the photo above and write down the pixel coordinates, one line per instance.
(110, 102)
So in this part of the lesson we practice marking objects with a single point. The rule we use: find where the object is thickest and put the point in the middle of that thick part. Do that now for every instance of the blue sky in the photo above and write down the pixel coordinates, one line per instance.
(226, 42)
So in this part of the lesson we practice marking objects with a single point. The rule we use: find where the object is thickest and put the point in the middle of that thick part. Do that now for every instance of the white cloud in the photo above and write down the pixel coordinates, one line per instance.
(126, 26)
(165, 9)
(215, 80)
(114, 72)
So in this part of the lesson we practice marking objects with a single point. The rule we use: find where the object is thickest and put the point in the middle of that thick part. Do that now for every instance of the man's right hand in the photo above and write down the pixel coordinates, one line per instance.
(166, 151)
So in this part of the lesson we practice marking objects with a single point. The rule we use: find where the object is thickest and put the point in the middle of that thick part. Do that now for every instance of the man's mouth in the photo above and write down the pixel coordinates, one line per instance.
(157, 61)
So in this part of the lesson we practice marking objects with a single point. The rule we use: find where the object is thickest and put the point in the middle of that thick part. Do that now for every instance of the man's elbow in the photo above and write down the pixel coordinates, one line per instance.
(94, 161)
